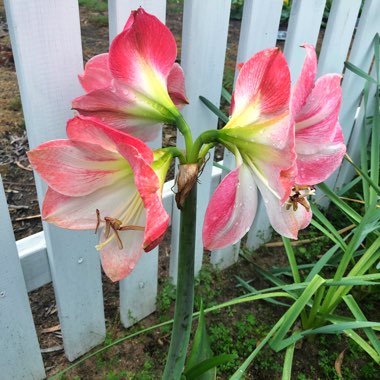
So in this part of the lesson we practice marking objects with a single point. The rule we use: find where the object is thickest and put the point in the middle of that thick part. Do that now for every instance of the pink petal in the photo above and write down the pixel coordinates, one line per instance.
(305, 82)
(316, 121)
(176, 86)
(119, 263)
(318, 166)
(286, 222)
(263, 86)
(79, 213)
(77, 168)
(269, 146)
(146, 47)
(119, 108)
(90, 129)
(231, 209)
(96, 74)
(149, 187)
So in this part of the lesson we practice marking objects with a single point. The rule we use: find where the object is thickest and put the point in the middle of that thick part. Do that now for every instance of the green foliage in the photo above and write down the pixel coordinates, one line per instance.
(238, 336)
(206, 286)
(228, 79)
(99, 20)
(94, 5)
(15, 104)
(165, 298)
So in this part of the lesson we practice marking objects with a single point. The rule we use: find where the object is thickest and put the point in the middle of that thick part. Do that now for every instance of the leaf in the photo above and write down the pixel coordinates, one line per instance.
(214, 109)
(200, 370)
(338, 364)
(295, 310)
(359, 72)
(253, 290)
(226, 95)
(288, 363)
(200, 350)
(359, 315)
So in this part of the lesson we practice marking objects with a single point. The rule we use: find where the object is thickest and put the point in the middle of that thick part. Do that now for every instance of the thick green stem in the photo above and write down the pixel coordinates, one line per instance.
(186, 132)
(185, 290)
(207, 137)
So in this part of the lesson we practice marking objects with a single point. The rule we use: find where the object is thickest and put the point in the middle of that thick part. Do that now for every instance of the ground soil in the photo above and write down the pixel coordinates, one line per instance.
(23, 207)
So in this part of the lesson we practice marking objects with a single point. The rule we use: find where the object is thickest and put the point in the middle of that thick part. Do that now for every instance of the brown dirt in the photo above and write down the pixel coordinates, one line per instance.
(23, 206)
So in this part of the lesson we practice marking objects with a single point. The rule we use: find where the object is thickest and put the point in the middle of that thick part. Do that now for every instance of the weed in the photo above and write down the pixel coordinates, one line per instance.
(206, 286)
(94, 5)
(98, 20)
(15, 104)
(164, 299)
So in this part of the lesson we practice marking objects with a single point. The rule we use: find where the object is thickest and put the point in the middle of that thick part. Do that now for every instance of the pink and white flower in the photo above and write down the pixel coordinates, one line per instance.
(101, 177)
(260, 133)
(315, 106)
(137, 86)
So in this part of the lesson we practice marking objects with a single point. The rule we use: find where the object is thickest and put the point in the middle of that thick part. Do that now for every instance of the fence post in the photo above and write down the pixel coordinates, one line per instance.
(47, 51)
(20, 356)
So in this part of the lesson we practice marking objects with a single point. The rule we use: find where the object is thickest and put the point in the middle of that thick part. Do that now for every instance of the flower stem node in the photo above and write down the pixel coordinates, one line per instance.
(186, 178)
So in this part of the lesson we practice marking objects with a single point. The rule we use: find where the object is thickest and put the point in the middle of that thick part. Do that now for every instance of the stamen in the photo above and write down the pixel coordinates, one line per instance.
(299, 196)
(117, 225)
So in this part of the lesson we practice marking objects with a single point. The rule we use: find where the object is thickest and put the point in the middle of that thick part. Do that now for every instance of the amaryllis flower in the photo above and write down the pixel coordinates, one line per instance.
(260, 133)
(319, 141)
(137, 85)
(105, 179)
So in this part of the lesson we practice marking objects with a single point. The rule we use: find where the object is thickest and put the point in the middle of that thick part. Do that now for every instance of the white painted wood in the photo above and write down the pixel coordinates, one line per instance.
(138, 291)
(338, 36)
(361, 55)
(304, 24)
(34, 260)
(259, 27)
(20, 356)
(119, 11)
(204, 40)
(261, 230)
(347, 171)
(47, 51)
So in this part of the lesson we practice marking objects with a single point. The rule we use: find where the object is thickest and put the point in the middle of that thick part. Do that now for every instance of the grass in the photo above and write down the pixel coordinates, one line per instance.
(94, 5)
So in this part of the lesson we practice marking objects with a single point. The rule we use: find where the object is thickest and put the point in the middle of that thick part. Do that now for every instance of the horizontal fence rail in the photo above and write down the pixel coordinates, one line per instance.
(48, 56)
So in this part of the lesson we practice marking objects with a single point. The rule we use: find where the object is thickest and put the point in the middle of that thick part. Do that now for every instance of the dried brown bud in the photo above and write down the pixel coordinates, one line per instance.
(186, 178)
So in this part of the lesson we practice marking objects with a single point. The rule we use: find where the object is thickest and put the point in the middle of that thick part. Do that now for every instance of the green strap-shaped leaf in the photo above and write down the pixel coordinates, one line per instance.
(200, 352)
(295, 310)
(214, 109)
(359, 71)
(359, 315)
(288, 363)
(199, 371)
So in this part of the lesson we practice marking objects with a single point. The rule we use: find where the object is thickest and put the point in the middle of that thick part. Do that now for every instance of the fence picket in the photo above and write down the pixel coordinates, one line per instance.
(361, 55)
(119, 11)
(304, 24)
(142, 283)
(20, 356)
(204, 40)
(338, 36)
(46, 44)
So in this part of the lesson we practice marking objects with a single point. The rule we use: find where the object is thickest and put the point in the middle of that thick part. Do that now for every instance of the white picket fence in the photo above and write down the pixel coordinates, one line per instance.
(48, 56)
